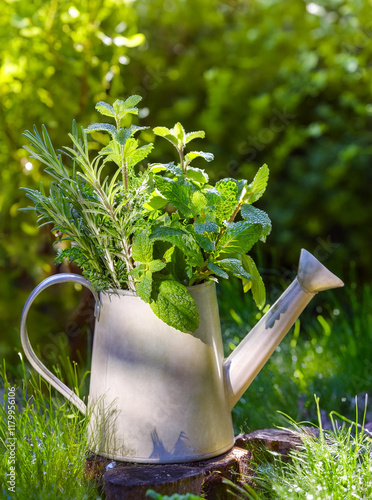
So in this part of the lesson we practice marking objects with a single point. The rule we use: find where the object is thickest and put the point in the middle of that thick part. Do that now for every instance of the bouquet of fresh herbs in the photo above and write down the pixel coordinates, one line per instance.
(155, 230)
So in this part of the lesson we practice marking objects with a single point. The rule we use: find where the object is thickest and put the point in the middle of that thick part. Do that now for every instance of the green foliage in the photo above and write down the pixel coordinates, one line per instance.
(335, 464)
(50, 443)
(172, 303)
(97, 214)
(203, 227)
(117, 227)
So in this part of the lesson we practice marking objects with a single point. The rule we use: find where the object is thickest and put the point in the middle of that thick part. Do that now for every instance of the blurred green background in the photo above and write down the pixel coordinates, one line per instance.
(286, 83)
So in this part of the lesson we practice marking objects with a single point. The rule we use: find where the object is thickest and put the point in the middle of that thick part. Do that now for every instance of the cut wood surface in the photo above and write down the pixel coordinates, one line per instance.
(128, 481)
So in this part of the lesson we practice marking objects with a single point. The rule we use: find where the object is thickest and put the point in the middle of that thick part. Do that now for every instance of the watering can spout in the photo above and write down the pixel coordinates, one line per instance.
(244, 363)
(313, 276)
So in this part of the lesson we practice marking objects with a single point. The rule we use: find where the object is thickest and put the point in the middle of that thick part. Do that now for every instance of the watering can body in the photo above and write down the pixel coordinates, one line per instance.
(158, 395)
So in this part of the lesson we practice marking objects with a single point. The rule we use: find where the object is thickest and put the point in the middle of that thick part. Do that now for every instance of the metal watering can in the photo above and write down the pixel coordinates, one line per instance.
(158, 395)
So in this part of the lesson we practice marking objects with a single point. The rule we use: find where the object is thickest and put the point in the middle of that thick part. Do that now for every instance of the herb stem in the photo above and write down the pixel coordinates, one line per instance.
(182, 160)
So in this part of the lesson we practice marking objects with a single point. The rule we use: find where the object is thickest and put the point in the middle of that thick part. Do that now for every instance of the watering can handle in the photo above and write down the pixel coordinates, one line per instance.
(31, 356)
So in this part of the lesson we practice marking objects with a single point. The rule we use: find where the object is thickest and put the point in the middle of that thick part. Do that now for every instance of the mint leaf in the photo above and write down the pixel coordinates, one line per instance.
(177, 265)
(128, 106)
(139, 154)
(205, 227)
(130, 146)
(124, 133)
(106, 127)
(226, 205)
(138, 271)
(156, 202)
(239, 237)
(105, 109)
(257, 187)
(174, 169)
(161, 131)
(181, 239)
(155, 168)
(206, 244)
(217, 270)
(144, 287)
(173, 304)
(168, 254)
(213, 198)
(167, 134)
(179, 132)
(235, 267)
(190, 136)
(112, 151)
(177, 194)
(256, 216)
(142, 248)
(195, 154)
(197, 174)
(163, 167)
(156, 265)
(198, 203)
(255, 284)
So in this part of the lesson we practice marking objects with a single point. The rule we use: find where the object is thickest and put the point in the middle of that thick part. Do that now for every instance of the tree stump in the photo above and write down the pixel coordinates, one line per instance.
(128, 481)
(277, 440)
(132, 482)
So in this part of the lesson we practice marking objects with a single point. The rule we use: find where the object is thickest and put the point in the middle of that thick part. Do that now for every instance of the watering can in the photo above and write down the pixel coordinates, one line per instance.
(158, 395)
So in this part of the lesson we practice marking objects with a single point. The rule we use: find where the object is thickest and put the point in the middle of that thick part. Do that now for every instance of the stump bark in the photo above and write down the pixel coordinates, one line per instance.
(128, 481)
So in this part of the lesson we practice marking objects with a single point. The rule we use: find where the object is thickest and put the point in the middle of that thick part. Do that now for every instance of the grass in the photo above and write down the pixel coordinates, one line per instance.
(50, 444)
(337, 465)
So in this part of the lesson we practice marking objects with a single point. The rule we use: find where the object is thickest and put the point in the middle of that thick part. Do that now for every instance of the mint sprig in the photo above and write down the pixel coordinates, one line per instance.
(155, 230)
